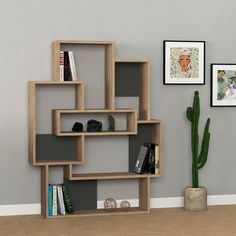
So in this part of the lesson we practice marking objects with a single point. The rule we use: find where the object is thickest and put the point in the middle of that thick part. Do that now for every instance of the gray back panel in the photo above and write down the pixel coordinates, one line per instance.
(83, 194)
(127, 80)
(50, 147)
(136, 141)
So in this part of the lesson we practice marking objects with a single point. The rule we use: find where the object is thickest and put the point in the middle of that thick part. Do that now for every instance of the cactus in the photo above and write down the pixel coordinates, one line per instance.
(198, 159)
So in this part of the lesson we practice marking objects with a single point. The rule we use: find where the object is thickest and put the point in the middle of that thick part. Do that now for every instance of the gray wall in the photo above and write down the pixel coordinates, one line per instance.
(138, 27)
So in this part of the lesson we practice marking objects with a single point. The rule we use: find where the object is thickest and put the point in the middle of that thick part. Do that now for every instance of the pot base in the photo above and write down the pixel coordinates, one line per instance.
(195, 199)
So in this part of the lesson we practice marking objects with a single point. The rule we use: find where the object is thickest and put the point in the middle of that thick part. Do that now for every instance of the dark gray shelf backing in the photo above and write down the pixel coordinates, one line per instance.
(50, 97)
(127, 79)
(90, 68)
(136, 141)
(83, 194)
(50, 147)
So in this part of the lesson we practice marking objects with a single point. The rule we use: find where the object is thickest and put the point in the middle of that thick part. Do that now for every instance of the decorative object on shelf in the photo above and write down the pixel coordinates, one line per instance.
(111, 121)
(94, 126)
(110, 203)
(184, 62)
(195, 198)
(223, 85)
(125, 204)
(77, 127)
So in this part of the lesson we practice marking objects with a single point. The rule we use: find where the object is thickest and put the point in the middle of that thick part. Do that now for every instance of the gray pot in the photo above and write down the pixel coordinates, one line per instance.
(195, 199)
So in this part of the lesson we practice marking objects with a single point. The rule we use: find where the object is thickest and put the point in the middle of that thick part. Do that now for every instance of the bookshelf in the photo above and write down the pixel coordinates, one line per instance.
(55, 105)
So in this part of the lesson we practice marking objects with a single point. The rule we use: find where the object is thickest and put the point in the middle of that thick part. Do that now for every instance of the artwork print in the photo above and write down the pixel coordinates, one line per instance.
(184, 62)
(223, 77)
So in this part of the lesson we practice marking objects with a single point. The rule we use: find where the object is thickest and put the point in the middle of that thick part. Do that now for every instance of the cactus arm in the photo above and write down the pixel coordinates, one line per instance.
(189, 114)
(205, 142)
(205, 153)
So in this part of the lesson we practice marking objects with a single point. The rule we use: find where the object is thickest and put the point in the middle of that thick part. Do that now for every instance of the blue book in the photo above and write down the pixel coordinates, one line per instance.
(50, 200)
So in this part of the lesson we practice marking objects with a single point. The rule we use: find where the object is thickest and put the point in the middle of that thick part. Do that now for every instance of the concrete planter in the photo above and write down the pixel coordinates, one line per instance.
(195, 199)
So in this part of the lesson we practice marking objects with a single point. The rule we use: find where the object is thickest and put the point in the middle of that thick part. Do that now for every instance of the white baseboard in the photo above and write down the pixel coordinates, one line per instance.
(165, 202)
(20, 209)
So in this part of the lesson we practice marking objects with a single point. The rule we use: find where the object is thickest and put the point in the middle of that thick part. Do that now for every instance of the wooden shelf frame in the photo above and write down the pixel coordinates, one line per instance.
(144, 199)
(144, 96)
(109, 65)
(131, 122)
(79, 104)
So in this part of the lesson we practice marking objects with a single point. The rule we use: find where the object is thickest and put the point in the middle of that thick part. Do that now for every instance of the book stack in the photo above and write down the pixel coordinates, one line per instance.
(67, 66)
(148, 160)
(59, 200)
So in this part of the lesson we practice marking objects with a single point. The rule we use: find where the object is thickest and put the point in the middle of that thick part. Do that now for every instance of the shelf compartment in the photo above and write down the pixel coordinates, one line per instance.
(89, 189)
(131, 122)
(97, 52)
(78, 103)
(148, 131)
(132, 79)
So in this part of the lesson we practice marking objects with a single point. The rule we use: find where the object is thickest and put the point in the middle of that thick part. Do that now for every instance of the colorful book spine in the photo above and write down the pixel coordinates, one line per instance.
(54, 200)
(157, 160)
(72, 66)
(67, 199)
(61, 66)
(49, 200)
(60, 200)
(66, 66)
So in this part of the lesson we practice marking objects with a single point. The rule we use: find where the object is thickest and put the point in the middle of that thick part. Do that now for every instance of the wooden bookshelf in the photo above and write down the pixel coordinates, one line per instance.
(124, 77)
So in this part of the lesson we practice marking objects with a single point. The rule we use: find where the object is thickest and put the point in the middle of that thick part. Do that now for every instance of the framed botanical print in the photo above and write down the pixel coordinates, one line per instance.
(223, 85)
(184, 62)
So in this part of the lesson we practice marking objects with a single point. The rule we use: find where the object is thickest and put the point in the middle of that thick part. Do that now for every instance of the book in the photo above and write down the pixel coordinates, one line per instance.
(157, 160)
(61, 66)
(50, 200)
(67, 199)
(60, 201)
(54, 200)
(72, 66)
(67, 74)
(142, 158)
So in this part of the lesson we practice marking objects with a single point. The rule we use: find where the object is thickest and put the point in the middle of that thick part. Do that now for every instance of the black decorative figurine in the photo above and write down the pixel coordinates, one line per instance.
(111, 121)
(94, 126)
(77, 127)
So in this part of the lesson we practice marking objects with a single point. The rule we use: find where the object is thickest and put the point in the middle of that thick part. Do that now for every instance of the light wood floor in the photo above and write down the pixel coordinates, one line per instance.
(217, 220)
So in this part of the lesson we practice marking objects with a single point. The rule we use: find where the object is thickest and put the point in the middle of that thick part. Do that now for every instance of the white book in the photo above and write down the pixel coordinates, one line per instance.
(157, 160)
(54, 200)
(61, 205)
(61, 66)
(72, 66)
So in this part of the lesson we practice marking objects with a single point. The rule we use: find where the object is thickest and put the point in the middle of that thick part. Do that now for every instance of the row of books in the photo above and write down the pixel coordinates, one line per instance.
(59, 200)
(148, 160)
(67, 66)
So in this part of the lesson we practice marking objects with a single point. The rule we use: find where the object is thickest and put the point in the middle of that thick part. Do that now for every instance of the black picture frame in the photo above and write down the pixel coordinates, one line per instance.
(223, 84)
(183, 62)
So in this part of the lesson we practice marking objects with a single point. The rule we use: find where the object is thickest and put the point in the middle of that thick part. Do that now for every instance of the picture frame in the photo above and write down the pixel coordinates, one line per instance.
(184, 62)
(223, 85)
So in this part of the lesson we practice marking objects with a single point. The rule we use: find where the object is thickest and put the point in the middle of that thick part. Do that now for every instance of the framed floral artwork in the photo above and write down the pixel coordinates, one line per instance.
(184, 62)
(223, 85)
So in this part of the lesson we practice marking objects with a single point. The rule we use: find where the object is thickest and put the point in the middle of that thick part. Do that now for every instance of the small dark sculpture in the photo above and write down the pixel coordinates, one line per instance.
(77, 127)
(94, 126)
(111, 121)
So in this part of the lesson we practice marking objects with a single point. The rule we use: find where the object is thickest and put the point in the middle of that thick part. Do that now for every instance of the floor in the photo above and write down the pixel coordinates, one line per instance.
(217, 220)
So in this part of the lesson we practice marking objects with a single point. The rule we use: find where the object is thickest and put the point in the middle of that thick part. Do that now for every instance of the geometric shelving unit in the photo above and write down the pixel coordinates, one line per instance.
(55, 105)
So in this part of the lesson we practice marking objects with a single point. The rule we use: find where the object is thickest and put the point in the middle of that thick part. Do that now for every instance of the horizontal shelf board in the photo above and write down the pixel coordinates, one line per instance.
(84, 42)
(131, 61)
(57, 82)
(118, 175)
(126, 110)
(102, 133)
(53, 162)
(149, 121)
(117, 211)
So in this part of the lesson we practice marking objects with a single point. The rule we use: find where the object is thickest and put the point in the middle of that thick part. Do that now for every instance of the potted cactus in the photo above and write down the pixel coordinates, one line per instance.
(195, 197)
